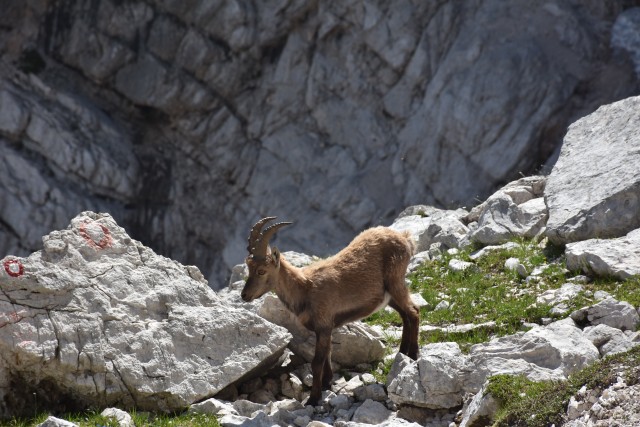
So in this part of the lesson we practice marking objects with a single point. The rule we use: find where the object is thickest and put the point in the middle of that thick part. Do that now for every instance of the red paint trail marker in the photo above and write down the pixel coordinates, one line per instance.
(106, 240)
(13, 267)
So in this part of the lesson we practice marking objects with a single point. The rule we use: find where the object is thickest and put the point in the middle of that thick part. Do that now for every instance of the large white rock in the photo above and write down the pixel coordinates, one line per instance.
(481, 410)
(433, 226)
(371, 412)
(564, 293)
(52, 421)
(592, 191)
(608, 340)
(442, 374)
(121, 417)
(610, 312)
(619, 257)
(96, 318)
(550, 352)
(516, 210)
(436, 380)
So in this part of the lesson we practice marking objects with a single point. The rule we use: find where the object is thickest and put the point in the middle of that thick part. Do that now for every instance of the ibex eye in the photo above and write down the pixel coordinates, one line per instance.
(261, 272)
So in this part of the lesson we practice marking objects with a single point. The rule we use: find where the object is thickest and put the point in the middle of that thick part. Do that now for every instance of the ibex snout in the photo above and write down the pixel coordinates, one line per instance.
(245, 295)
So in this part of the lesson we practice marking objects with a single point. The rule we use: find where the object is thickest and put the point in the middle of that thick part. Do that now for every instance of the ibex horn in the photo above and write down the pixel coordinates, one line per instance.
(254, 236)
(259, 240)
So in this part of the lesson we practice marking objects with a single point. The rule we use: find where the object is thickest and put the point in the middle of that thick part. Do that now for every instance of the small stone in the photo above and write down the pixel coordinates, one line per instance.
(459, 265)
(575, 408)
(442, 305)
(371, 391)
(601, 295)
(341, 401)
(371, 413)
(302, 421)
(52, 421)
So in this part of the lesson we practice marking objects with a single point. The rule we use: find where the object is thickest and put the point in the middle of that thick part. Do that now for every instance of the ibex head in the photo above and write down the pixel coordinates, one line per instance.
(263, 261)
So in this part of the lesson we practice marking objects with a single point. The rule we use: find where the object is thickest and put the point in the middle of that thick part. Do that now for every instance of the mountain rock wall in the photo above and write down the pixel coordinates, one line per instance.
(188, 120)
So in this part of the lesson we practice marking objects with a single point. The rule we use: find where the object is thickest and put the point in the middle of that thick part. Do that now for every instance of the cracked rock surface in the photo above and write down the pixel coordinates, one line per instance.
(96, 318)
(188, 120)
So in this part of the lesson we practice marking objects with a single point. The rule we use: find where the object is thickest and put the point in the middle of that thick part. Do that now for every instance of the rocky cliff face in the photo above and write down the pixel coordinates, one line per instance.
(187, 120)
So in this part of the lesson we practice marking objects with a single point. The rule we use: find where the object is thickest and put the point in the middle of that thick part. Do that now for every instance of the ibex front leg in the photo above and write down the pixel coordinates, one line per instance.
(321, 366)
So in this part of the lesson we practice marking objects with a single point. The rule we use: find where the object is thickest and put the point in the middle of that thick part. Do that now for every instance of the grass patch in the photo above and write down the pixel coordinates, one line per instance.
(627, 290)
(537, 404)
(488, 292)
(141, 419)
(484, 293)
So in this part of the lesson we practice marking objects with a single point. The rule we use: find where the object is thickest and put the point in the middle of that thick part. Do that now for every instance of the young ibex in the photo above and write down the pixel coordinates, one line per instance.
(359, 280)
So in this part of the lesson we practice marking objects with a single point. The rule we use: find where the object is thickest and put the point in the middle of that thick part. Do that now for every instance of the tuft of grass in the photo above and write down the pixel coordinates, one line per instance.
(464, 339)
(627, 290)
(537, 404)
(140, 419)
(488, 292)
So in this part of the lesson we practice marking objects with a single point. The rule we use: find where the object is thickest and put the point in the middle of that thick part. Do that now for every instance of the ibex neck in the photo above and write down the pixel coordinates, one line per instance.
(292, 287)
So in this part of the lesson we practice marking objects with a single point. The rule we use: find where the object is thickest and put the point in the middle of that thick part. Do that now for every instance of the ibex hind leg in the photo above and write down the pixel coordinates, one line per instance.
(410, 315)
(327, 373)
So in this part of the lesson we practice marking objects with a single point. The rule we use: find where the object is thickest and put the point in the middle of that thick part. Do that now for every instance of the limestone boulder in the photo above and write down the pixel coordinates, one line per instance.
(593, 190)
(436, 380)
(611, 312)
(371, 412)
(616, 257)
(481, 410)
(564, 293)
(442, 374)
(434, 226)
(52, 421)
(609, 340)
(516, 210)
(95, 318)
(543, 353)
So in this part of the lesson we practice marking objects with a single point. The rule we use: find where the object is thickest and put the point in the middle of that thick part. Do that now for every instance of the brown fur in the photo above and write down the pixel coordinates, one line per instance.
(349, 286)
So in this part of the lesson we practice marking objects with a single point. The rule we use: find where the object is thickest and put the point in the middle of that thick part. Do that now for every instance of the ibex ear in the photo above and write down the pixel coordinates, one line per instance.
(275, 257)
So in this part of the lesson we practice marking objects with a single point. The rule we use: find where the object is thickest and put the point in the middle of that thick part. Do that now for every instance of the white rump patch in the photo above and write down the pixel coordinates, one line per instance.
(385, 301)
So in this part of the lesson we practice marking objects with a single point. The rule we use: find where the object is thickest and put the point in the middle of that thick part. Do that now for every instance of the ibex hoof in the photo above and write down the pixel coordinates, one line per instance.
(312, 402)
